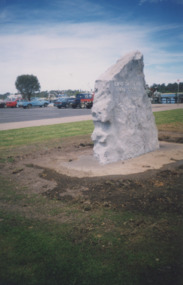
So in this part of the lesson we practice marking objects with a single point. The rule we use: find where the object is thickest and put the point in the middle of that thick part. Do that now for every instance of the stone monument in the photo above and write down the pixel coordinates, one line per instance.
(122, 113)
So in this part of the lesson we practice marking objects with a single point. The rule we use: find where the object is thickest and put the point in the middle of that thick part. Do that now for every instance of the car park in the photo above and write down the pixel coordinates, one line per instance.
(35, 102)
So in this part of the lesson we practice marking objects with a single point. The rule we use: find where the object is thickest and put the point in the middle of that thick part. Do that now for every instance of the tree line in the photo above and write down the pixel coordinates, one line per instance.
(28, 85)
(169, 88)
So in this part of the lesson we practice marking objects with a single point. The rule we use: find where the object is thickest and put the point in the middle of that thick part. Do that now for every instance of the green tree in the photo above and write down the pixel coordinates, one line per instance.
(169, 88)
(27, 85)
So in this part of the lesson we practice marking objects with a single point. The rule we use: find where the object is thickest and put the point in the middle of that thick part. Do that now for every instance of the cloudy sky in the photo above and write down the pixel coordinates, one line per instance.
(67, 44)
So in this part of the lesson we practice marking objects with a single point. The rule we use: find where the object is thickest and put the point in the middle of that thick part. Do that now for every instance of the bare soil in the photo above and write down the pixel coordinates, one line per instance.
(168, 136)
(149, 191)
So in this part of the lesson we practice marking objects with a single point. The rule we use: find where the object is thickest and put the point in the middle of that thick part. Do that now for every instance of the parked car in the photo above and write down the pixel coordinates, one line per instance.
(21, 102)
(83, 100)
(12, 103)
(70, 101)
(2, 104)
(61, 103)
(45, 102)
(64, 102)
(35, 102)
(87, 101)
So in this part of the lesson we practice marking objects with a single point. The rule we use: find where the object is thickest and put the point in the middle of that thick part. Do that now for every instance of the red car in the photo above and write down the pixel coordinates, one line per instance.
(12, 103)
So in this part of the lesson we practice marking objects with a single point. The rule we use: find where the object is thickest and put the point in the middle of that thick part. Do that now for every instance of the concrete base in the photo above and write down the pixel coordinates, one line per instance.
(85, 165)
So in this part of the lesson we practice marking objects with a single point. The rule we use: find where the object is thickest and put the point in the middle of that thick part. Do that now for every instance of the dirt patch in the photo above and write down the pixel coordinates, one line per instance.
(176, 137)
(149, 191)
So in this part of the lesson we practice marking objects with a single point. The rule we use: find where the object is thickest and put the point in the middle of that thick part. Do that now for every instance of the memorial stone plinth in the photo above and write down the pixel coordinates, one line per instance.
(122, 113)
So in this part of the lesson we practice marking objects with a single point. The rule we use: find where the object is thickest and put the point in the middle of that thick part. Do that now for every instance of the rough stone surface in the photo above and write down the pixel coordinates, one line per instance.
(122, 113)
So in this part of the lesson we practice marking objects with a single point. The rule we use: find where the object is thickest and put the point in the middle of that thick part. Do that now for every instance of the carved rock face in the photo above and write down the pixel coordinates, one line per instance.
(122, 114)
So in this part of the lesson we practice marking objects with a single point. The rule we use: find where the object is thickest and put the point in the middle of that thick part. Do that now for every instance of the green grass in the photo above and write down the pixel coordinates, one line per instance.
(170, 120)
(169, 117)
(32, 135)
(34, 252)
(101, 247)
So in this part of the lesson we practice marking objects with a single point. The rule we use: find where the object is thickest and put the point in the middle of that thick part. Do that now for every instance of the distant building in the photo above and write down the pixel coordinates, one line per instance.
(16, 96)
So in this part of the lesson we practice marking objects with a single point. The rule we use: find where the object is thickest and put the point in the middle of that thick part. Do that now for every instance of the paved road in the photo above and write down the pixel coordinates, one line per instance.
(22, 118)
(9, 115)
(165, 107)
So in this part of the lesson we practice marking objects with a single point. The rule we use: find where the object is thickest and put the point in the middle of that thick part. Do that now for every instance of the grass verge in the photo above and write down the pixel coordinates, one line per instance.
(170, 120)
(20, 137)
(32, 135)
